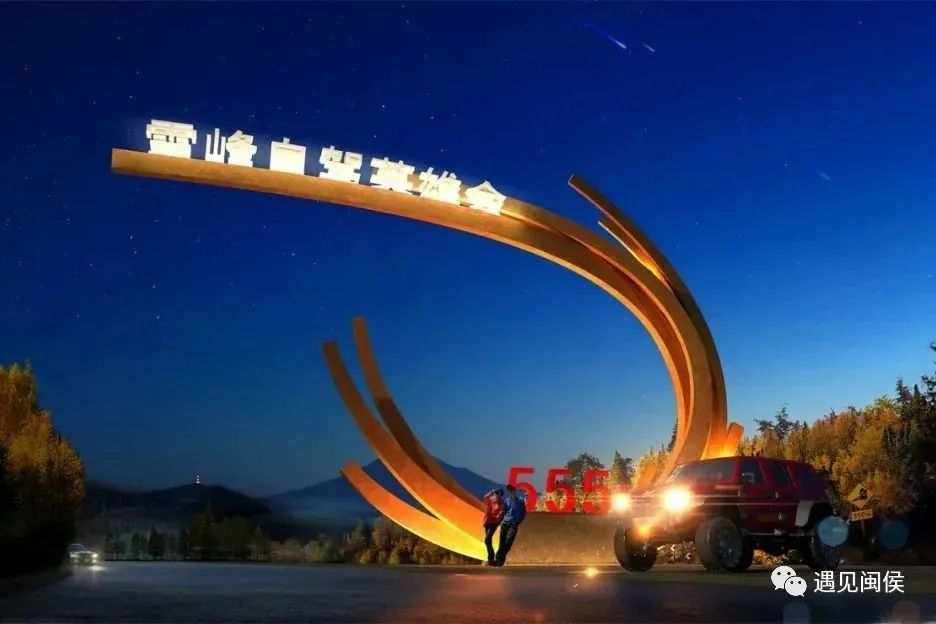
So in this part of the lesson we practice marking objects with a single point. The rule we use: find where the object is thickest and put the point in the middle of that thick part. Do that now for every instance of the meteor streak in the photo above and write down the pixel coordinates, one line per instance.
(604, 33)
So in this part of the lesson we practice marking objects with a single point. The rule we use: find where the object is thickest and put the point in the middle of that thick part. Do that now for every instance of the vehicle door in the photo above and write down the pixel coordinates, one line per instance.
(785, 495)
(756, 496)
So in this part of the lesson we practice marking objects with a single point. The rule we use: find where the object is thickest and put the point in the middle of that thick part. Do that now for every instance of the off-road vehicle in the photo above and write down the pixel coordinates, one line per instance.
(729, 507)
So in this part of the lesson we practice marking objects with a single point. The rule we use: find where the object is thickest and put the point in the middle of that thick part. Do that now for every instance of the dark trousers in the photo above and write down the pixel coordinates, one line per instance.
(508, 534)
(489, 540)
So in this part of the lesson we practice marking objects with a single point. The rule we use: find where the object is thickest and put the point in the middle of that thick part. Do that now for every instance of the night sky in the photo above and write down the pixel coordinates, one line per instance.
(782, 156)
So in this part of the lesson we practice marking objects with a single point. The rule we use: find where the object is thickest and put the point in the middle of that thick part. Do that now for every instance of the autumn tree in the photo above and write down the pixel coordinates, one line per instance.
(381, 534)
(41, 478)
(650, 466)
(622, 472)
(579, 466)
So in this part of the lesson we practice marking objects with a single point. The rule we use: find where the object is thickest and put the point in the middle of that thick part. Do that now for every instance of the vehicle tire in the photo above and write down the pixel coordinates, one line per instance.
(634, 557)
(820, 557)
(720, 545)
(747, 554)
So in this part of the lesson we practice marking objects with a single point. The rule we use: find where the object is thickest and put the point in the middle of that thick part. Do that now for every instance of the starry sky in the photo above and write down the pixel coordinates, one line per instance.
(783, 156)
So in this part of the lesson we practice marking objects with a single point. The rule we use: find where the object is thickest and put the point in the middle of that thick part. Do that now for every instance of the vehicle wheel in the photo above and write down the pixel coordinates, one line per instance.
(634, 557)
(719, 544)
(820, 556)
(747, 554)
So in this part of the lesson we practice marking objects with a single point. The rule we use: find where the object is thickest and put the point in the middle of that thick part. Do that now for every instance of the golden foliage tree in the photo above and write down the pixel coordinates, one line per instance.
(653, 461)
(42, 477)
(849, 447)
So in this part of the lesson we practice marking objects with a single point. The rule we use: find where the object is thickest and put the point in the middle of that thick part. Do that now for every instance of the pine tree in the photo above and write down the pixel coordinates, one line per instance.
(672, 442)
(622, 472)
(184, 543)
(261, 544)
(155, 544)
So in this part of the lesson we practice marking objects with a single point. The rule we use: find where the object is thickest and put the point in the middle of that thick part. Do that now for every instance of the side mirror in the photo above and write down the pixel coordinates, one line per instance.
(747, 478)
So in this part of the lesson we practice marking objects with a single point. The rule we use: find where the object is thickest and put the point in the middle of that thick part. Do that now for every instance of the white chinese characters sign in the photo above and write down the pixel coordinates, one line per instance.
(170, 138)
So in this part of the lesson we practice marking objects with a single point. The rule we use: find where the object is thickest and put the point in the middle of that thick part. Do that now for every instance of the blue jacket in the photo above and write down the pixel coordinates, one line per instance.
(514, 509)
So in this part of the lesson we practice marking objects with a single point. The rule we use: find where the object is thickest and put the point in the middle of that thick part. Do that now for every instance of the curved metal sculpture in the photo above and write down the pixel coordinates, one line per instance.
(633, 271)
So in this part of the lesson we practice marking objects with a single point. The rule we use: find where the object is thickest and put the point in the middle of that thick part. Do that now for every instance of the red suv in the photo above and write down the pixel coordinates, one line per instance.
(728, 507)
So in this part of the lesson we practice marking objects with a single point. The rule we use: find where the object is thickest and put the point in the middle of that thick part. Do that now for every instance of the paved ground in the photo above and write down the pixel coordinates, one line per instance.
(186, 592)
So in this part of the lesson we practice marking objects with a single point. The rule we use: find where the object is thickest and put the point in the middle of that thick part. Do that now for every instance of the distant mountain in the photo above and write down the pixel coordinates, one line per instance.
(337, 495)
(303, 513)
(176, 503)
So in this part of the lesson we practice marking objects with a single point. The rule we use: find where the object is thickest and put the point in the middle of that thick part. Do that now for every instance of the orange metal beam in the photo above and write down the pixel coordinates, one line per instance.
(632, 238)
(462, 517)
(408, 517)
(393, 418)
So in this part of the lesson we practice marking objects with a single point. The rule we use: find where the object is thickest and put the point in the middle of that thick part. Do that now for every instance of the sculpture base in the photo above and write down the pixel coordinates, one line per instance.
(578, 538)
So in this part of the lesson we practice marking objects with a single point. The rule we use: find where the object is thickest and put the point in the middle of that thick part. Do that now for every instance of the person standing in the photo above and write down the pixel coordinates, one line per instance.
(493, 514)
(514, 513)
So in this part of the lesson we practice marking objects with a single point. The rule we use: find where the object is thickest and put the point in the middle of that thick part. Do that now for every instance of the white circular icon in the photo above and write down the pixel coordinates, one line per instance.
(795, 586)
(780, 575)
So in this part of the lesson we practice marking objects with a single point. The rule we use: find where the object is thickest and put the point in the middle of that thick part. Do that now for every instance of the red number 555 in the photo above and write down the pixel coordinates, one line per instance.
(595, 493)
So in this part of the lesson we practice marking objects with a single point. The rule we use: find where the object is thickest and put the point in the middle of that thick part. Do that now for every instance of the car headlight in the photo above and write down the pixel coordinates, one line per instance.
(94, 555)
(677, 499)
(620, 501)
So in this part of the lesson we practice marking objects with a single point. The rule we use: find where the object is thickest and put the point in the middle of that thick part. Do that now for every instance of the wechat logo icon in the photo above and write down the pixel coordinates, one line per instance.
(784, 577)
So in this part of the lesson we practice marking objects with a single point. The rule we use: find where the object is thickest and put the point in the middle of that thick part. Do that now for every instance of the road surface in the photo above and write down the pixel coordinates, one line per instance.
(221, 592)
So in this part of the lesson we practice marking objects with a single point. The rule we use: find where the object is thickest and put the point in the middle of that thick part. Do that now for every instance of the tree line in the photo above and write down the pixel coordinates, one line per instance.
(210, 538)
(41, 479)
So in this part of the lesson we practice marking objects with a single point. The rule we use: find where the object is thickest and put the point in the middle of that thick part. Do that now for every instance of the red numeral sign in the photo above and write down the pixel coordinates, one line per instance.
(519, 471)
(595, 496)
(554, 485)
(600, 489)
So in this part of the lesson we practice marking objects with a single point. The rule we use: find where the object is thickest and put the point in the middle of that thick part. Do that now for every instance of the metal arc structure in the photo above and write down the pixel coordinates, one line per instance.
(626, 265)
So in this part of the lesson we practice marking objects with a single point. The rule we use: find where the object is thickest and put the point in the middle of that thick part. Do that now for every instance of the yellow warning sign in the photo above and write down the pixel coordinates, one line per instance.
(859, 497)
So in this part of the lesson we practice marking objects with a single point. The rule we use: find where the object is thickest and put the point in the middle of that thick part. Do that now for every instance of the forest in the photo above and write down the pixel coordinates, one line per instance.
(210, 538)
(42, 479)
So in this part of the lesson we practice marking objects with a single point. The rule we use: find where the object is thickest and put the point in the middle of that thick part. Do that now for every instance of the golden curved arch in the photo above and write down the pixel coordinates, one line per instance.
(633, 271)
(408, 517)
(459, 515)
(399, 428)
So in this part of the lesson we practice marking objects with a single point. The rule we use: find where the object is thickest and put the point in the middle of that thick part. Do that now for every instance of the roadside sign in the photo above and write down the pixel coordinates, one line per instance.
(863, 514)
(859, 497)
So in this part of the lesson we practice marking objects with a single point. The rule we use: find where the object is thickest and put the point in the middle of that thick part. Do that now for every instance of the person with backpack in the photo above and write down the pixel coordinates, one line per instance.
(514, 513)
(493, 515)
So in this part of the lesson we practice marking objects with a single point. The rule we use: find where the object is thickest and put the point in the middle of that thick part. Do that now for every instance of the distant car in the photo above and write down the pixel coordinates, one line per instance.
(80, 555)
(728, 507)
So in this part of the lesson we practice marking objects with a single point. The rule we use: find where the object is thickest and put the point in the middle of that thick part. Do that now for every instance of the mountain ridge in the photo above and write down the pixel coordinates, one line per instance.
(338, 487)
(333, 501)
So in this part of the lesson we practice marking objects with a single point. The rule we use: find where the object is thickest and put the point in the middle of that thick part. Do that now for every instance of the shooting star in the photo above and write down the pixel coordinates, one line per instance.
(824, 176)
(606, 35)
(619, 43)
